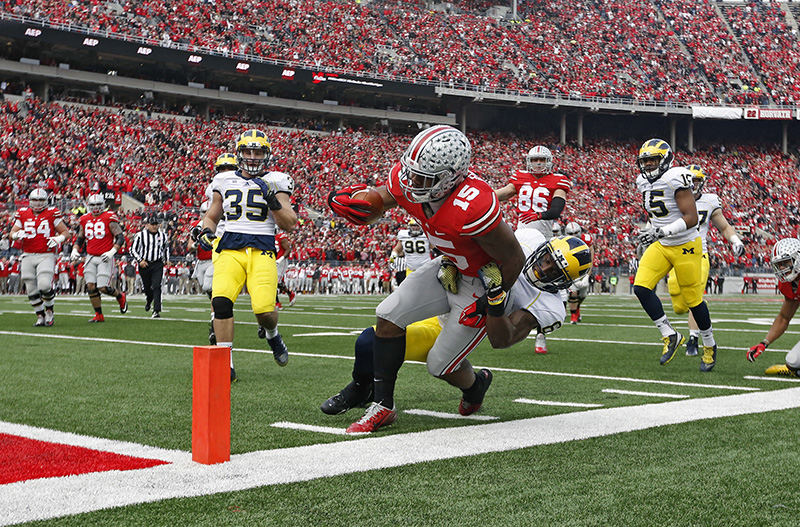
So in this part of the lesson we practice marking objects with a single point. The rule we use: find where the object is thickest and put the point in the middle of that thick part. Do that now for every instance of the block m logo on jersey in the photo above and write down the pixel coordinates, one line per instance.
(688, 251)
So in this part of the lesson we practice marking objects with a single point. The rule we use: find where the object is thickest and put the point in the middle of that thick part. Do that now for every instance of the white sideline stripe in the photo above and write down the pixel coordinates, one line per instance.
(645, 394)
(557, 403)
(55, 497)
(95, 443)
(778, 379)
(633, 343)
(344, 357)
(445, 415)
(311, 428)
(625, 379)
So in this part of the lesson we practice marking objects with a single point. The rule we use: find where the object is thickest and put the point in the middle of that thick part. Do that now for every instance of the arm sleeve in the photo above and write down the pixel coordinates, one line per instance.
(556, 207)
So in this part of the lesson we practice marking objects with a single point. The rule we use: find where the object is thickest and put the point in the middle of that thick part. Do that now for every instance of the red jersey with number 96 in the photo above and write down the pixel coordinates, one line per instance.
(97, 231)
(471, 210)
(535, 193)
(38, 228)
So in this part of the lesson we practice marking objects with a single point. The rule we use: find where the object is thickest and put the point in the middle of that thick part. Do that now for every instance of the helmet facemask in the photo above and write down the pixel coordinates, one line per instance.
(435, 162)
(37, 200)
(414, 228)
(786, 259)
(556, 264)
(96, 204)
(539, 165)
(253, 160)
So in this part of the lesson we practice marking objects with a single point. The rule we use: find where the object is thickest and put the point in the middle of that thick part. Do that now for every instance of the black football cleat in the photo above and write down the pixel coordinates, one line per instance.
(212, 337)
(709, 358)
(279, 351)
(671, 345)
(351, 396)
(470, 407)
(234, 378)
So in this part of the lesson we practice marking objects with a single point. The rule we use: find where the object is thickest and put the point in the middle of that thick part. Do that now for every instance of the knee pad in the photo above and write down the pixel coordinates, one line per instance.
(48, 295)
(223, 307)
(34, 297)
(641, 292)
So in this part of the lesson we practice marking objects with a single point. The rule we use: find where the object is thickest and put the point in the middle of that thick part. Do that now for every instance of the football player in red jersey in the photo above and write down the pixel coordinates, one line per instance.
(283, 246)
(542, 193)
(41, 230)
(460, 214)
(786, 264)
(101, 235)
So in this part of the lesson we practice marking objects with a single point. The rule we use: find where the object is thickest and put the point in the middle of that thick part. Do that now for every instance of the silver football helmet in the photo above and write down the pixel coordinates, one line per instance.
(37, 199)
(436, 161)
(539, 160)
(96, 204)
(786, 259)
(573, 228)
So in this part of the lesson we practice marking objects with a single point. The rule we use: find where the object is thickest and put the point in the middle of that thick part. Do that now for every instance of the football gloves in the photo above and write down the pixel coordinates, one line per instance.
(474, 315)
(18, 235)
(755, 351)
(648, 236)
(529, 216)
(108, 255)
(55, 241)
(194, 234)
(492, 279)
(206, 239)
(354, 210)
(75, 254)
(448, 275)
(738, 249)
(269, 191)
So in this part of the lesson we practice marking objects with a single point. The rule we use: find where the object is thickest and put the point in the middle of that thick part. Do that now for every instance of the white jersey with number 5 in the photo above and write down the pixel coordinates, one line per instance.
(706, 205)
(660, 204)
(417, 249)
(244, 208)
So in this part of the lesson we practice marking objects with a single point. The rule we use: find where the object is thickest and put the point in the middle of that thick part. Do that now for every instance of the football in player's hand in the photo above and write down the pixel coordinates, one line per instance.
(375, 203)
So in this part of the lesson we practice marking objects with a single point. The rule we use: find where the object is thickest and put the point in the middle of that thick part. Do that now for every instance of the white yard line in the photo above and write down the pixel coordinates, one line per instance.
(187, 347)
(645, 394)
(55, 497)
(310, 428)
(557, 403)
(778, 379)
(445, 415)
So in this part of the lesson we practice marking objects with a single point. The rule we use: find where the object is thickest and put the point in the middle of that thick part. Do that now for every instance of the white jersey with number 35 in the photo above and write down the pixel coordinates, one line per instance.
(660, 204)
(244, 208)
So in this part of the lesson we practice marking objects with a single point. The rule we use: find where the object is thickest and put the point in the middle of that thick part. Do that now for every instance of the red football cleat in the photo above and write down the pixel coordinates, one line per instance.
(292, 298)
(573, 317)
(98, 317)
(484, 377)
(123, 303)
(541, 344)
(375, 417)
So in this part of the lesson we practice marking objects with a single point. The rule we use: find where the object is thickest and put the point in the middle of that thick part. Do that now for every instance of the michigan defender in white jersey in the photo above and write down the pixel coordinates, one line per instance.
(413, 245)
(253, 202)
(673, 242)
(709, 210)
(534, 304)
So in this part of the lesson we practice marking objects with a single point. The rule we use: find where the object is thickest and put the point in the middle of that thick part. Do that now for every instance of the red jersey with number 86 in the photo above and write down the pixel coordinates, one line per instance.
(535, 193)
(471, 210)
(97, 231)
(38, 228)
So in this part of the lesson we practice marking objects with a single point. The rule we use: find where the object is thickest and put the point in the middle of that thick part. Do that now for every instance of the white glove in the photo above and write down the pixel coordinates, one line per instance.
(648, 236)
(18, 235)
(55, 241)
(738, 249)
(109, 254)
(75, 255)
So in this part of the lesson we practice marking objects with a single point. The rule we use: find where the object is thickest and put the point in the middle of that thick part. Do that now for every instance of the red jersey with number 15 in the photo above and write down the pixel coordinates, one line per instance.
(790, 290)
(471, 210)
(97, 231)
(38, 228)
(535, 193)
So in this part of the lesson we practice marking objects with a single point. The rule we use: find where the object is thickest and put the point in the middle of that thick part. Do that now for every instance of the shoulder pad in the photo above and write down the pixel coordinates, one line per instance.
(281, 181)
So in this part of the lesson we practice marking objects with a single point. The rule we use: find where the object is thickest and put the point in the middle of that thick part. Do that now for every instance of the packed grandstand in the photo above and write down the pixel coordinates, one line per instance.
(680, 52)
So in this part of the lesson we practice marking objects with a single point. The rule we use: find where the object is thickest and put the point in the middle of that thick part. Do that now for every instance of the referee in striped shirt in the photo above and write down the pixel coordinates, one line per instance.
(151, 249)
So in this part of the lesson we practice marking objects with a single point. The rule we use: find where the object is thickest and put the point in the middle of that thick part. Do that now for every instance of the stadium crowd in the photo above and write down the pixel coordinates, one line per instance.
(663, 50)
(75, 150)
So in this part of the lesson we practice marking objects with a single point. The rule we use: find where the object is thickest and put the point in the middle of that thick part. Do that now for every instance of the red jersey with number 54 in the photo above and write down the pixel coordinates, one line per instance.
(97, 231)
(536, 193)
(38, 228)
(471, 210)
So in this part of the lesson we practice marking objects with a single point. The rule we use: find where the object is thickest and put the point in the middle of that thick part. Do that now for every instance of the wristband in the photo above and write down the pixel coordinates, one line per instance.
(675, 227)
(735, 240)
(497, 302)
(765, 342)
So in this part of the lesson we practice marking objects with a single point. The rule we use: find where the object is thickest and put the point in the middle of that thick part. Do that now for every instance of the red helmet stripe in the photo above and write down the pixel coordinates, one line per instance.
(428, 135)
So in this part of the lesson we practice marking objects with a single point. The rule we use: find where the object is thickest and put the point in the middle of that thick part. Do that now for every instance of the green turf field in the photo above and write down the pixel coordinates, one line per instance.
(130, 379)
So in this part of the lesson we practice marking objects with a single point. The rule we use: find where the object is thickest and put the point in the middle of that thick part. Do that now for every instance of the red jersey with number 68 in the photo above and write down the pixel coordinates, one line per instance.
(471, 210)
(535, 193)
(790, 290)
(38, 228)
(97, 231)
